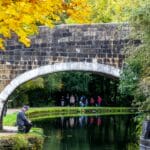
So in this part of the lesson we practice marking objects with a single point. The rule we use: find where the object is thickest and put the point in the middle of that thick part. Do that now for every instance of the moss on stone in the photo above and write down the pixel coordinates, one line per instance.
(31, 141)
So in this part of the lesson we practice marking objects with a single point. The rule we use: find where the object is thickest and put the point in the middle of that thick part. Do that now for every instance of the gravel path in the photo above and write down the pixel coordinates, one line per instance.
(8, 130)
(10, 111)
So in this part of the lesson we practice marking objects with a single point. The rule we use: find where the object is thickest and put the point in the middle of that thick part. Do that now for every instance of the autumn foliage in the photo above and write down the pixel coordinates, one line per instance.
(22, 17)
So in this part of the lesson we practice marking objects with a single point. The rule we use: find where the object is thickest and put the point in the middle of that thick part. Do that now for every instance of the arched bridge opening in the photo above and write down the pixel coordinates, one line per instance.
(58, 67)
(91, 47)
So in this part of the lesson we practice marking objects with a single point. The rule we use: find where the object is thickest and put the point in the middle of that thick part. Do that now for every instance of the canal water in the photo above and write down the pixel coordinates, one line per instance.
(116, 132)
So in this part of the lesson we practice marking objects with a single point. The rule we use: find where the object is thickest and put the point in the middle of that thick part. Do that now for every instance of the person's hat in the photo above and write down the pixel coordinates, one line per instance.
(26, 107)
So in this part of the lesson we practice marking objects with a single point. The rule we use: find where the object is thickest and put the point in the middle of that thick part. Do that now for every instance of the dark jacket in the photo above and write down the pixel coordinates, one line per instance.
(21, 119)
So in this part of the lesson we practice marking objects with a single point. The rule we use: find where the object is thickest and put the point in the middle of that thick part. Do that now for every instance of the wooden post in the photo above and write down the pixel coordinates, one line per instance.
(1, 126)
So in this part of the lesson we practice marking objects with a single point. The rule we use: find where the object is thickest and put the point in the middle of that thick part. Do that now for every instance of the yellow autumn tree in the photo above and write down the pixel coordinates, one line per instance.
(22, 17)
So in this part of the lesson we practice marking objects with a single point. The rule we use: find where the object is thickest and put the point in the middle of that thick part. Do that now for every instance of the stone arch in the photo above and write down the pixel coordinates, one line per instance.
(57, 67)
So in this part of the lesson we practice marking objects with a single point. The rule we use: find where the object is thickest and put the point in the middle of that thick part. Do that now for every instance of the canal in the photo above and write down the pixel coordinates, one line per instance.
(110, 132)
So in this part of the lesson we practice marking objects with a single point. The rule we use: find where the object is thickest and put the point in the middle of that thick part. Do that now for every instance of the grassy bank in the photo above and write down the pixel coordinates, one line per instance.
(53, 112)
(34, 139)
(31, 141)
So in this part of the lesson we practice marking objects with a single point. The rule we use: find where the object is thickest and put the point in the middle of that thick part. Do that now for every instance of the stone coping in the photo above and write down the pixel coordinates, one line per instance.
(145, 142)
(8, 130)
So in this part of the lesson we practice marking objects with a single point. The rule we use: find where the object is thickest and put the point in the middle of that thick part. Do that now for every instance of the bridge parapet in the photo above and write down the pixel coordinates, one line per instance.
(95, 43)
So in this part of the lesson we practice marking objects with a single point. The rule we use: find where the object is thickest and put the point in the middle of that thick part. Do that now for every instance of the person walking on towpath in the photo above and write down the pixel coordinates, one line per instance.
(72, 100)
(24, 125)
(62, 101)
(99, 101)
(92, 101)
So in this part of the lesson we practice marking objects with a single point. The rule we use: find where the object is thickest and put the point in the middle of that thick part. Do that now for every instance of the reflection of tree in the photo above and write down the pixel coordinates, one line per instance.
(75, 133)
(116, 132)
(123, 128)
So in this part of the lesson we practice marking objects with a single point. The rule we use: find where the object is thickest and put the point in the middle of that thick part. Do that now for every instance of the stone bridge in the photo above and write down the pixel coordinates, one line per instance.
(95, 48)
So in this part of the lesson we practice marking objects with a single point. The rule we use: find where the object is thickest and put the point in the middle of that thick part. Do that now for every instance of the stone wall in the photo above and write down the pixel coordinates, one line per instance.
(96, 43)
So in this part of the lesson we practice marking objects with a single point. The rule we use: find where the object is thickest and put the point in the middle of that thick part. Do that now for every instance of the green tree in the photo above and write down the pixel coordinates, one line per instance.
(136, 76)
(75, 82)
(111, 10)
(53, 82)
(20, 97)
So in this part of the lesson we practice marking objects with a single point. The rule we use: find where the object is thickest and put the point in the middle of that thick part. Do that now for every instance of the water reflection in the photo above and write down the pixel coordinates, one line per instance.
(90, 133)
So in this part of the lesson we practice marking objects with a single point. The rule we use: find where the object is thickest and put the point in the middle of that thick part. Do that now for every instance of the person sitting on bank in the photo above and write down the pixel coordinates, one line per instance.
(24, 125)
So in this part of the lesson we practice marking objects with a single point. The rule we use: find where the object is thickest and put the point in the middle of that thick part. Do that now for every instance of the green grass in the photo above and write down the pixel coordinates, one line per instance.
(54, 112)
(10, 119)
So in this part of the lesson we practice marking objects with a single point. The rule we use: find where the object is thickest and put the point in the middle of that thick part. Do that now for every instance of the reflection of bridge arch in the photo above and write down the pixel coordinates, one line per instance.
(68, 66)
